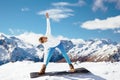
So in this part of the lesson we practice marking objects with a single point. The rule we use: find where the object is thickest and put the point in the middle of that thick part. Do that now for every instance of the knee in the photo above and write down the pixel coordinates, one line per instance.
(51, 49)
(60, 46)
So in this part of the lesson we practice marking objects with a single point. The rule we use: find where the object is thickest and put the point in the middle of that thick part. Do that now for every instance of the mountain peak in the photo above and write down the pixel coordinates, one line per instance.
(26, 47)
(2, 36)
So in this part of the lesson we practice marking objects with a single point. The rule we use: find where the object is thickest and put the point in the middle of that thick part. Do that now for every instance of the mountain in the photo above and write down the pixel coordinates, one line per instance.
(26, 47)
(13, 49)
(96, 50)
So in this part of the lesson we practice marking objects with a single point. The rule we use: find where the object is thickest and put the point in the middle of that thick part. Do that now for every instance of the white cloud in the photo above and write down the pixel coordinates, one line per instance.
(16, 31)
(11, 31)
(30, 37)
(62, 4)
(80, 3)
(109, 23)
(25, 9)
(58, 13)
(99, 4)
(33, 38)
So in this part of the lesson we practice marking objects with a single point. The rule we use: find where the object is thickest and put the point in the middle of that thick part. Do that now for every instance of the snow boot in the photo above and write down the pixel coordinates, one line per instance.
(42, 71)
(71, 68)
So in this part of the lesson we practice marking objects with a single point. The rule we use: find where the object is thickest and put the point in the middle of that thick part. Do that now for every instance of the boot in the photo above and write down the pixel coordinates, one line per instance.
(42, 71)
(71, 68)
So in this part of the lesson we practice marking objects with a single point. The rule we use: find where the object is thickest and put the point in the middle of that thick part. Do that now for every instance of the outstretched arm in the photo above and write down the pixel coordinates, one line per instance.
(48, 28)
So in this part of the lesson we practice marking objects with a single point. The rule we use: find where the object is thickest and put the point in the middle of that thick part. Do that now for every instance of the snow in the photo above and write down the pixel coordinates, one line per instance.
(26, 45)
(30, 37)
(99, 71)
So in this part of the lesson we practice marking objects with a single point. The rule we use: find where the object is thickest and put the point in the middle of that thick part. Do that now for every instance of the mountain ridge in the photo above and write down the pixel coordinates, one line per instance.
(14, 48)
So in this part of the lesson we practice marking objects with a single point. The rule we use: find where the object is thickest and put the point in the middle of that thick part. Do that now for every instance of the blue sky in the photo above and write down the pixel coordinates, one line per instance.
(85, 19)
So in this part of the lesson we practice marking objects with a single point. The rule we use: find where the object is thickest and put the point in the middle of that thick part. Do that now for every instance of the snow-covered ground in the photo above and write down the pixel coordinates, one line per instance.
(99, 71)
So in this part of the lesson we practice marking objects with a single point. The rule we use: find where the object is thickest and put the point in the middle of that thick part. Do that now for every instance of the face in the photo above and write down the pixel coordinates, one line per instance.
(43, 39)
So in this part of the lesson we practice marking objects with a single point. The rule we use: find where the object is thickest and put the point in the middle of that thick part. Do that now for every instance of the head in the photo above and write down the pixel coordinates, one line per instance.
(43, 39)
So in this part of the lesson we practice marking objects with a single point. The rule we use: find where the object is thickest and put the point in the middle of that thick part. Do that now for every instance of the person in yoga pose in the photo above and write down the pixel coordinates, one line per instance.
(50, 43)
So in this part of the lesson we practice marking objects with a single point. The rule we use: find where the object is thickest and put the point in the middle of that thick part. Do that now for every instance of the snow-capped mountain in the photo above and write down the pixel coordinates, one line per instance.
(96, 50)
(27, 47)
(15, 49)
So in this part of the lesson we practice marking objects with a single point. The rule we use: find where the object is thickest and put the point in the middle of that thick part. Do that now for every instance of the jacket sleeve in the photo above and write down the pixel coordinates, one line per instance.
(48, 28)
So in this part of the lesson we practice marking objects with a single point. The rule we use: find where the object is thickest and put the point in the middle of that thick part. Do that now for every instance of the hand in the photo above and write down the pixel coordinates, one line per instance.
(47, 15)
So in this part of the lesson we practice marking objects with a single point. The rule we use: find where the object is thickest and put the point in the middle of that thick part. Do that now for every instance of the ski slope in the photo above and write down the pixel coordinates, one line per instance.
(99, 71)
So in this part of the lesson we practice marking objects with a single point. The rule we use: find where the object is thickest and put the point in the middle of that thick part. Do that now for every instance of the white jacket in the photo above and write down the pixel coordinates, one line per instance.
(52, 41)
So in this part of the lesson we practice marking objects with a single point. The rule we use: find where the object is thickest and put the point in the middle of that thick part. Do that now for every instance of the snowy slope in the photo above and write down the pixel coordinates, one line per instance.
(15, 49)
(99, 71)
(26, 47)
(96, 50)
(18, 48)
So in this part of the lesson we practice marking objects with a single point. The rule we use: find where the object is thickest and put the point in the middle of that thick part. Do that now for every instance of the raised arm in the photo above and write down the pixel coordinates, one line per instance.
(48, 28)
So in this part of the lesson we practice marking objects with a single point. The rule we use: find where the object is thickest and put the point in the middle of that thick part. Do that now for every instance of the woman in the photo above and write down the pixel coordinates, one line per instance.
(50, 43)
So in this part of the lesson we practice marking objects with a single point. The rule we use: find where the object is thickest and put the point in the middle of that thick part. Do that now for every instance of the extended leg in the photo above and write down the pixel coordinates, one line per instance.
(66, 57)
(47, 58)
(64, 53)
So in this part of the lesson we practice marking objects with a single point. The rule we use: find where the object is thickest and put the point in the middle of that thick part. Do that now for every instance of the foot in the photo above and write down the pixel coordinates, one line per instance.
(71, 68)
(42, 71)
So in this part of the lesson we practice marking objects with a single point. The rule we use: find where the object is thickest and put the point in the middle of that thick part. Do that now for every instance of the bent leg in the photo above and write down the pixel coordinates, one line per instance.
(60, 46)
(48, 56)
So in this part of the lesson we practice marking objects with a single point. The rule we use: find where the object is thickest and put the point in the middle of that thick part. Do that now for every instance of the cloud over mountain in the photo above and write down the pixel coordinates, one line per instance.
(109, 23)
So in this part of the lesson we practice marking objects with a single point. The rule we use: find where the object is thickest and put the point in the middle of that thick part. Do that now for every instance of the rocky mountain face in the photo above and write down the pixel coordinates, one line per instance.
(15, 49)
(96, 50)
